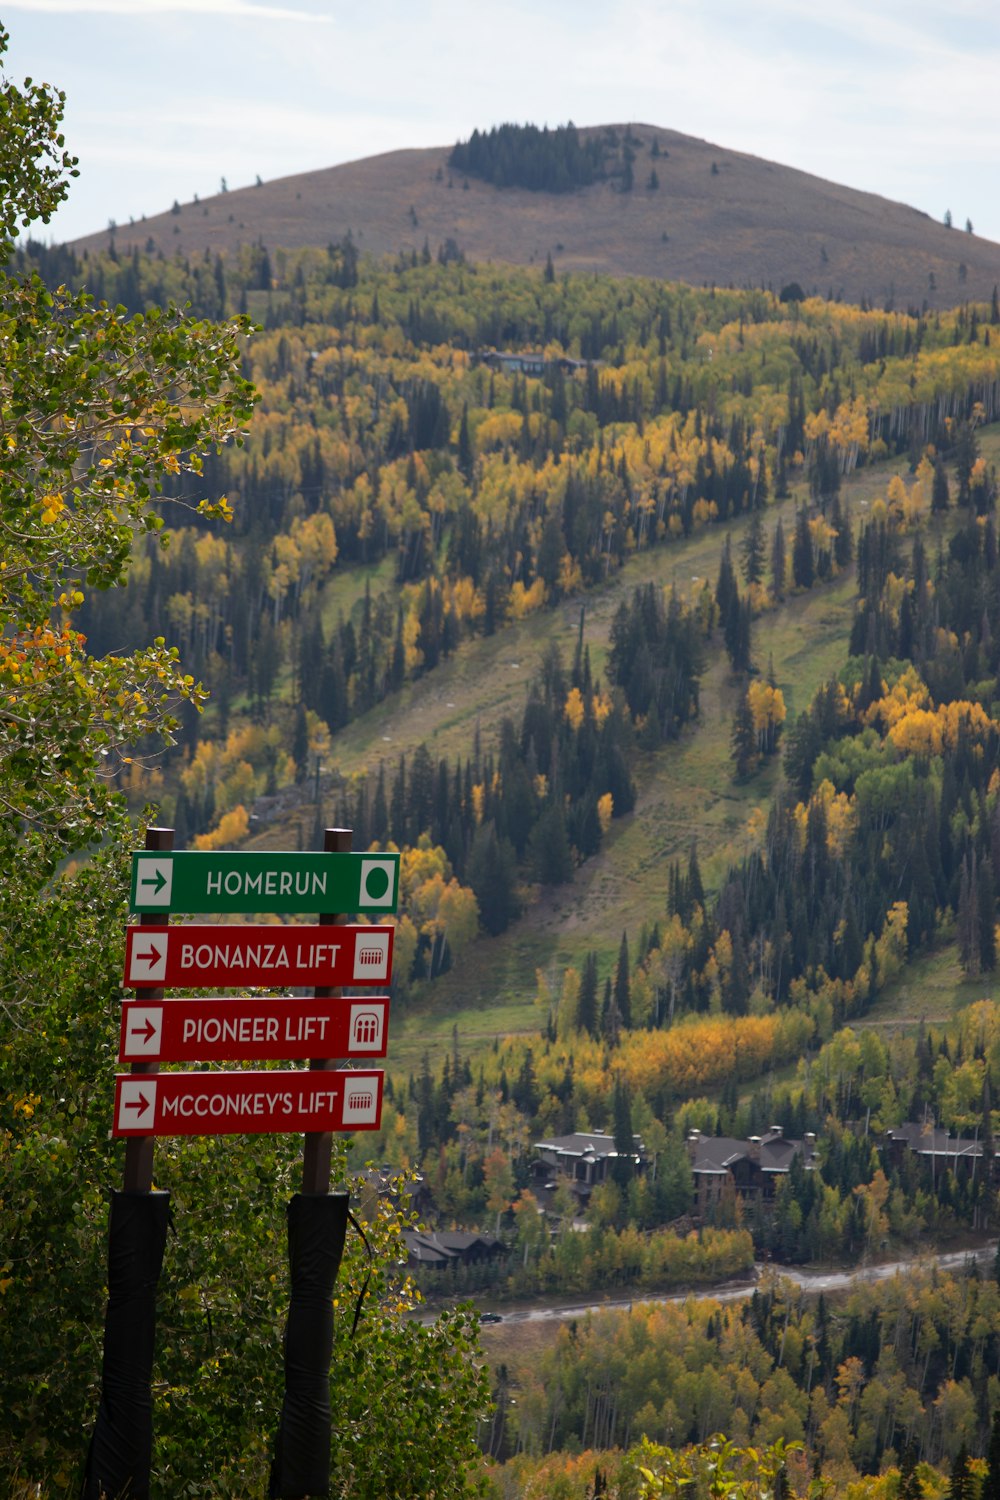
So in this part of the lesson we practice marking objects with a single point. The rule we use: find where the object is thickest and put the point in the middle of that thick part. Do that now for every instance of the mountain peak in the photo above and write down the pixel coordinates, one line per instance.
(687, 210)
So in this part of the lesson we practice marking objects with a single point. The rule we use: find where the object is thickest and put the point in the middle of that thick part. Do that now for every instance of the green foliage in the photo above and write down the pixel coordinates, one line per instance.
(542, 160)
(60, 966)
(98, 410)
(719, 1469)
(638, 1257)
(33, 161)
(778, 1371)
(223, 1291)
(471, 494)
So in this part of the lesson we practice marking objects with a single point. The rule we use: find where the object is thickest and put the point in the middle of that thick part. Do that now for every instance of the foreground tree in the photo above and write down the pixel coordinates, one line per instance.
(100, 414)
(97, 414)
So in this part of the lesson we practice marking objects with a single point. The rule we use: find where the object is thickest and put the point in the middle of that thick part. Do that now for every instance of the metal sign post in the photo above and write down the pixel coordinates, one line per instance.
(316, 1102)
(318, 1147)
(120, 1456)
(317, 1228)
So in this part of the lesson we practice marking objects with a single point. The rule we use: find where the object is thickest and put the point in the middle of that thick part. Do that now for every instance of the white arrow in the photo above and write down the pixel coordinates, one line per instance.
(148, 957)
(144, 1033)
(153, 881)
(137, 1103)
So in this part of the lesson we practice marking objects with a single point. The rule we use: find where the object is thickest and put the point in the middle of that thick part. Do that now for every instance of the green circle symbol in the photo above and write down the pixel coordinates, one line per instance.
(376, 883)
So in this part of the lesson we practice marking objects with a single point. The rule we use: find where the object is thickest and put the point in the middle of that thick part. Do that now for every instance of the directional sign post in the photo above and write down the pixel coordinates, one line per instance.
(119, 1458)
(316, 1101)
(196, 955)
(282, 882)
(246, 1103)
(257, 1029)
(317, 1148)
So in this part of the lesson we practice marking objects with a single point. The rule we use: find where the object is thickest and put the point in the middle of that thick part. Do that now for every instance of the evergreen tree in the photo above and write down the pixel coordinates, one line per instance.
(753, 548)
(990, 1489)
(549, 849)
(803, 565)
(966, 454)
(778, 561)
(623, 987)
(398, 806)
(743, 739)
(987, 916)
(300, 743)
(380, 811)
(726, 590)
(621, 1113)
(465, 445)
(940, 493)
(695, 889)
(843, 541)
(492, 874)
(960, 1484)
(609, 1015)
(969, 918)
(737, 633)
(909, 1481)
(781, 490)
(587, 1002)
(420, 800)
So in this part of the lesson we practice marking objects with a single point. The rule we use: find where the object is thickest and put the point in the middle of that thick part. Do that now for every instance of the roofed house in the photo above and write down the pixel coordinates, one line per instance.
(585, 1157)
(530, 362)
(448, 1248)
(722, 1165)
(935, 1148)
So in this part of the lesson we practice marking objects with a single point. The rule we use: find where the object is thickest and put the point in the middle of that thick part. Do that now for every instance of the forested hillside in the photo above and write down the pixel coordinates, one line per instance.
(396, 447)
(444, 455)
(393, 447)
(617, 199)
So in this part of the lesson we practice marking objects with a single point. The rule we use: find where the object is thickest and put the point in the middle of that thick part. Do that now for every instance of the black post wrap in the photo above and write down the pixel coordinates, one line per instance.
(121, 1448)
(317, 1228)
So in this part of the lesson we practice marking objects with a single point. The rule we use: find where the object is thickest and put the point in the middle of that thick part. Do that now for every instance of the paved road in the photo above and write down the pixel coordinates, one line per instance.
(734, 1291)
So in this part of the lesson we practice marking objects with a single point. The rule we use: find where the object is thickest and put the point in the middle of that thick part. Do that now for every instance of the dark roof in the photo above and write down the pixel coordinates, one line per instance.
(444, 1245)
(718, 1154)
(927, 1140)
(595, 1143)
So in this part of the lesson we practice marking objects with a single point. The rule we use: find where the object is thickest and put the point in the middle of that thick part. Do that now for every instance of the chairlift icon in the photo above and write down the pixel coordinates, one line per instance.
(371, 955)
(360, 1102)
(366, 1028)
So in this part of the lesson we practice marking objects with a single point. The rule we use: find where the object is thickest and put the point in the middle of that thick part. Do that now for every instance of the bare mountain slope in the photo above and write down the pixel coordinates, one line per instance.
(717, 217)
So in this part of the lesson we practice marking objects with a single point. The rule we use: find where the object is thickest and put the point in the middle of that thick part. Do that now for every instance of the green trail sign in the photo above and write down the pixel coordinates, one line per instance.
(281, 881)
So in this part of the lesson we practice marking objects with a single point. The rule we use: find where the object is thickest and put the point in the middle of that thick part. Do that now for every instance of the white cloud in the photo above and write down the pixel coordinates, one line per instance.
(137, 10)
(898, 98)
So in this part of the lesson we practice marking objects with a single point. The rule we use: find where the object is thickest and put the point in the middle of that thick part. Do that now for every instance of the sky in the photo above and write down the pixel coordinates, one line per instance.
(167, 97)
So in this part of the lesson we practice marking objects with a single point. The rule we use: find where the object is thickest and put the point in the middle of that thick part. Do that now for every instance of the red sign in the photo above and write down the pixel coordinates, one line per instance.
(196, 955)
(247, 1103)
(249, 1029)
